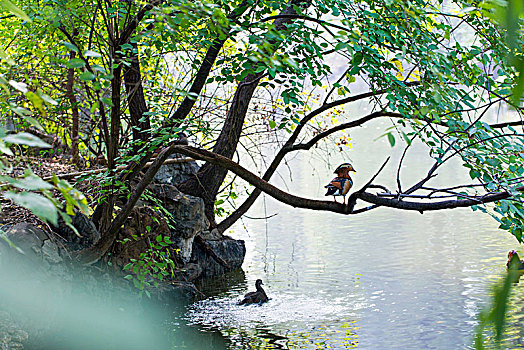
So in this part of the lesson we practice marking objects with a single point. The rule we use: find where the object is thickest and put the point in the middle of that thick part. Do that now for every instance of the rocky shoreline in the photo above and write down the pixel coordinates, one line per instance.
(35, 254)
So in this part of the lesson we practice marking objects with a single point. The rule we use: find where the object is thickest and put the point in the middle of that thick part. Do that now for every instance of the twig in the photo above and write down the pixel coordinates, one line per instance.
(373, 178)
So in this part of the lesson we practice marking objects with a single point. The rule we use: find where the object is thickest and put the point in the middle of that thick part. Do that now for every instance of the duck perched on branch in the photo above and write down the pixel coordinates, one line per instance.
(257, 297)
(343, 170)
(341, 184)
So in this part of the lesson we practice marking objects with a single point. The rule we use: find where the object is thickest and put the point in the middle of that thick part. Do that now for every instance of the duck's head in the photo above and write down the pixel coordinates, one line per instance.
(512, 255)
(344, 167)
(258, 283)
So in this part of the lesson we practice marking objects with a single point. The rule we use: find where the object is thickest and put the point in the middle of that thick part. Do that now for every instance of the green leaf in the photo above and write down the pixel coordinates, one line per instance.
(87, 76)
(75, 63)
(30, 183)
(24, 138)
(4, 84)
(70, 46)
(391, 139)
(39, 205)
(107, 101)
(5, 56)
(474, 174)
(9, 6)
(46, 98)
(493, 162)
(33, 122)
(90, 53)
(23, 112)
(272, 124)
(4, 149)
(22, 87)
(406, 137)
(272, 72)
(35, 100)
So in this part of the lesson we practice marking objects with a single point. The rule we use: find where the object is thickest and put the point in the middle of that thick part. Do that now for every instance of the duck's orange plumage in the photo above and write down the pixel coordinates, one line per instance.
(341, 184)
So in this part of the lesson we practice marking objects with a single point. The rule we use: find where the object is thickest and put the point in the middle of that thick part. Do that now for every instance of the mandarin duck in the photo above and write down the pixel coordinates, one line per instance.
(343, 170)
(514, 260)
(341, 184)
(257, 297)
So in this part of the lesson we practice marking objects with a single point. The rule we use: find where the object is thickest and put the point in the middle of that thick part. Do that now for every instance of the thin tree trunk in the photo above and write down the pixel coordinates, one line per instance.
(74, 109)
(104, 211)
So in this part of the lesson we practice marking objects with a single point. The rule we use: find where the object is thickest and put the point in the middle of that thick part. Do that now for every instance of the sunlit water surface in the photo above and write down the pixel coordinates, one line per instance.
(385, 279)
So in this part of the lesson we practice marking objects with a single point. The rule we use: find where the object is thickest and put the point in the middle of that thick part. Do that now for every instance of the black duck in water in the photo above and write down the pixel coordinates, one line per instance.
(257, 297)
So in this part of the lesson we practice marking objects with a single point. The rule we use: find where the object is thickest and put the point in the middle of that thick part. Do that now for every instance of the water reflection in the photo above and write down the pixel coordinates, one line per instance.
(399, 279)
(288, 321)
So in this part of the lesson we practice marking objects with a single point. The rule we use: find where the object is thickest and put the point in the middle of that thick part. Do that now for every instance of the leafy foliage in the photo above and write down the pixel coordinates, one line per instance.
(438, 67)
(22, 190)
(153, 265)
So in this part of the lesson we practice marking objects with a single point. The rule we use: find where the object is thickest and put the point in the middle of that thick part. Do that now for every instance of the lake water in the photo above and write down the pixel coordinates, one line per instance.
(385, 279)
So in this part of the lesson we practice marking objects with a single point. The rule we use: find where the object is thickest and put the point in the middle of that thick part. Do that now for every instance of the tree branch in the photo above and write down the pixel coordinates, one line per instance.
(307, 18)
(425, 206)
(295, 201)
(128, 31)
(299, 202)
(352, 124)
(94, 253)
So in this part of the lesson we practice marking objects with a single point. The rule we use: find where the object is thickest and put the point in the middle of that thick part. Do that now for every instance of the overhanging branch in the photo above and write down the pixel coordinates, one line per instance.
(300, 202)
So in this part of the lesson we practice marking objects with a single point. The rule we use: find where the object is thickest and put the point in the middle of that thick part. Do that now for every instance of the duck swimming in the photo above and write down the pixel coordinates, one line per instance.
(514, 260)
(257, 297)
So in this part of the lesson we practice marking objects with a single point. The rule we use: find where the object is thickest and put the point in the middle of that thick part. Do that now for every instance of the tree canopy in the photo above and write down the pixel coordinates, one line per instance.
(124, 80)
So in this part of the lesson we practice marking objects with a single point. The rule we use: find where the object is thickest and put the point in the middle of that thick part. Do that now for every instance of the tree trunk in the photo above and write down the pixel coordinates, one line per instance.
(74, 109)
(206, 183)
(208, 180)
(105, 209)
(135, 98)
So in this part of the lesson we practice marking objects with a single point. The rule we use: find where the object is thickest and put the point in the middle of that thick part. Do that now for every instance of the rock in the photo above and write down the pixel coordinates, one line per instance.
(50, 252)
(175, 291)
(187, 213)
(192, 271)
(29, 259)
(11, 335)
(182, 217)
(23, 247)
(211, 235)
(33, 253)
(139, 231)
(172, 174)
(89, 235)
(230, 250)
